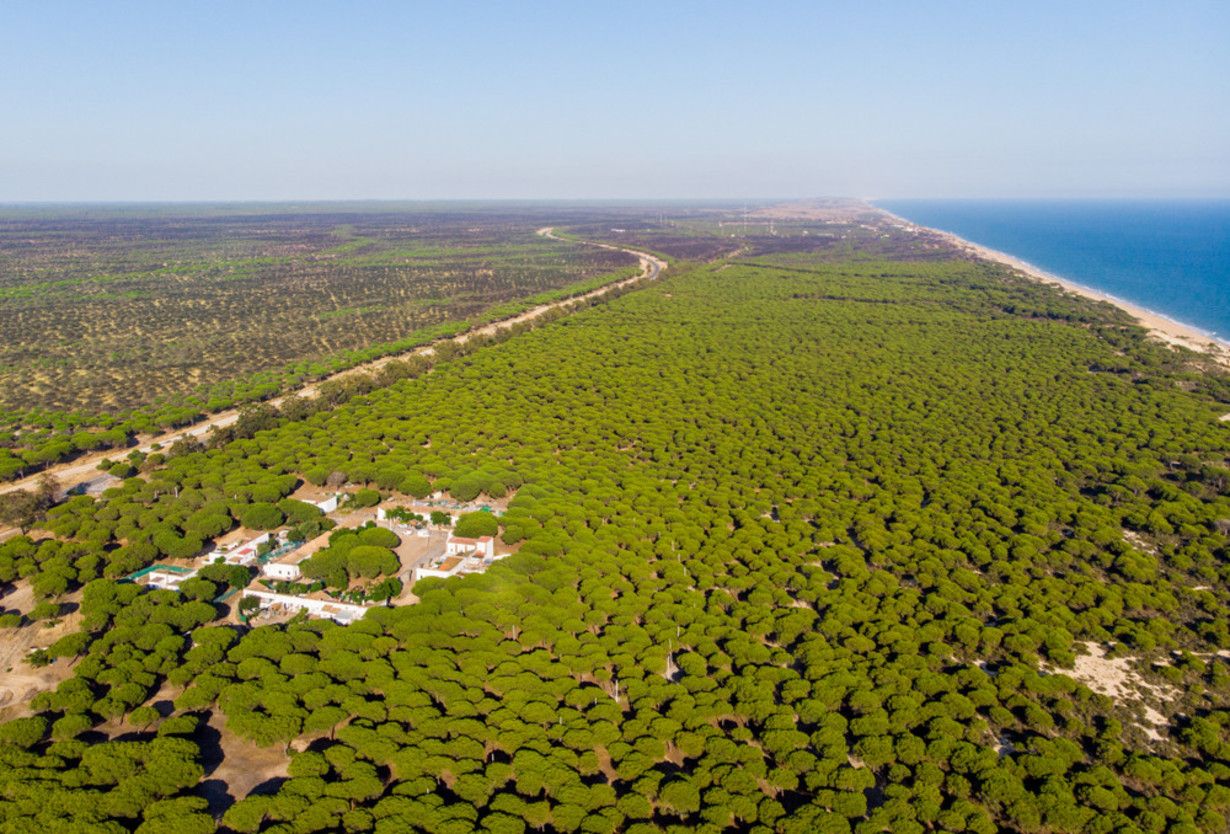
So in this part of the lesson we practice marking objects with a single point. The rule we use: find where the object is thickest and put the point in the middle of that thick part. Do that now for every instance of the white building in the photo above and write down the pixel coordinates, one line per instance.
(287, 565)
(341, 612)
(288, 571)
(483, 547)
(326, 505)
(449, 566)
(168, 578)
(246, 553)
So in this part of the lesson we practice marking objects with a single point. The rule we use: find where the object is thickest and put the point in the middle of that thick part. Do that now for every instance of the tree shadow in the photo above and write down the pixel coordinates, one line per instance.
(209, 740)
(215, 792)
(217, 796)
(269, 786)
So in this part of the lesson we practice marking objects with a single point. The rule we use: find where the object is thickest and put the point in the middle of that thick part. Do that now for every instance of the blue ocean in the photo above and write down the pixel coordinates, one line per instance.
(1172, 257)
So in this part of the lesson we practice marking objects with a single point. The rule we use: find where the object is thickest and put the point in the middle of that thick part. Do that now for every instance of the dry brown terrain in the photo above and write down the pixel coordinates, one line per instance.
(82, 469)
(19, 681)
(234, 766)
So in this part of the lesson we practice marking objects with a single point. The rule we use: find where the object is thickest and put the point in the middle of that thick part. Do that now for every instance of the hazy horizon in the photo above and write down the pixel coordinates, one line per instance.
(630, 202)
(148, 102)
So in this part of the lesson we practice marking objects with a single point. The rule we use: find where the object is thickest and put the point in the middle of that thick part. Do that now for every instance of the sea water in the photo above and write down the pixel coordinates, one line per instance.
(1169, 256)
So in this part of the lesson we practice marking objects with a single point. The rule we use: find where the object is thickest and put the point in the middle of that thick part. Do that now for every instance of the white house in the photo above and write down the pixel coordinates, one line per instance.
(326, 505)
(450, 566)
(286, 566)
(483, 547)
(168, 578)
(288, 571)
(246, 553)
(341, 612)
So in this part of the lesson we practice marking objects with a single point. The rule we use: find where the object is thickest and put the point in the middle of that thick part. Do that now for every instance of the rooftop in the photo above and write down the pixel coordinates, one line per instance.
(450, 563)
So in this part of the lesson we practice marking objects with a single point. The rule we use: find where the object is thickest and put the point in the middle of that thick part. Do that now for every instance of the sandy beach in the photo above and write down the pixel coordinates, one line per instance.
(1160, 326)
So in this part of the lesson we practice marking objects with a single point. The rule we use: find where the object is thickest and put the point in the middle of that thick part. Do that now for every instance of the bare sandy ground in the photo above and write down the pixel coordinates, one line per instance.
(235, 767)
(19, 681)
(1118, 679)
(1160, 327)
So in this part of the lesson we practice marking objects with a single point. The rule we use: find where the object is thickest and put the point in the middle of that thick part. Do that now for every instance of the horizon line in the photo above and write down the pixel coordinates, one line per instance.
(215, 201)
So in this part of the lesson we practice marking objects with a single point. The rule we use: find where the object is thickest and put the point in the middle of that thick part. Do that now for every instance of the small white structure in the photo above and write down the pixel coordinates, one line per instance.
(168, 579)
(288, 571)
(449, 566)
(286, 566)
(483, 547)
(326, 505)
(340, 612)
(246, 553)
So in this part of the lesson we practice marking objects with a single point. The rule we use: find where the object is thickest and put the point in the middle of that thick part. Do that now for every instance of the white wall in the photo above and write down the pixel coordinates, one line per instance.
(484, 549)
(341, 612)
(282, 570)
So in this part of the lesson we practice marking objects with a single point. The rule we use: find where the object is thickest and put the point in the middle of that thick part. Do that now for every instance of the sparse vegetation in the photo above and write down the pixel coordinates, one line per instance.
(188, 312)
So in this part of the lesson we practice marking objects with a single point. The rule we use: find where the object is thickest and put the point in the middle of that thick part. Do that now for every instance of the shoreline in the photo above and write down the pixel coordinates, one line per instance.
(1159, 325)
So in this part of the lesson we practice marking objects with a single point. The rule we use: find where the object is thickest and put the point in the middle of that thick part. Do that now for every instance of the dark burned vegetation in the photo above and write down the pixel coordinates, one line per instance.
(836, 230)
(107, 313)
(791, 561)
(114, 321)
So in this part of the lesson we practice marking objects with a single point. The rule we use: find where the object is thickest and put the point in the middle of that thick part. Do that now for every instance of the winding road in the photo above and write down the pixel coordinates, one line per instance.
(83, 469)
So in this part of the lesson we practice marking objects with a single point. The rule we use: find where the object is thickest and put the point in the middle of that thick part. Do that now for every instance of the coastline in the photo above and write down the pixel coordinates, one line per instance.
(1159, 325)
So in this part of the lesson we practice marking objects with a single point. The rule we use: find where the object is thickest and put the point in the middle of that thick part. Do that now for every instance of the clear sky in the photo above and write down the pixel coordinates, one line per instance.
(265, 100)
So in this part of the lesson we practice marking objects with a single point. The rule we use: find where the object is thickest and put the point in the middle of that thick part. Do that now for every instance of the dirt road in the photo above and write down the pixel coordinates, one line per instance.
(82, 469)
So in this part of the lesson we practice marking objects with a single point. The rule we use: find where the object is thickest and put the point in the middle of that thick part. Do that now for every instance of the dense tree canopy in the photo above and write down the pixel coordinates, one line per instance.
(806, 545)
(473, 525)
(353, 555)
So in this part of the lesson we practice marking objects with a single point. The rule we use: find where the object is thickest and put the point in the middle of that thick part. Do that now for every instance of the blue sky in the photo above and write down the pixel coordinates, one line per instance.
(220, 100)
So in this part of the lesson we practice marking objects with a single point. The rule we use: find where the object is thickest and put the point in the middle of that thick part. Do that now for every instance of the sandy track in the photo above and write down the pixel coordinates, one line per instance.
(82, 469)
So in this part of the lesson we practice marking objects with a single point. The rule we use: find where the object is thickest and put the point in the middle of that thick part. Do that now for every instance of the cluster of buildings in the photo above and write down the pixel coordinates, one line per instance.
(279, 561)
(170, 577)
